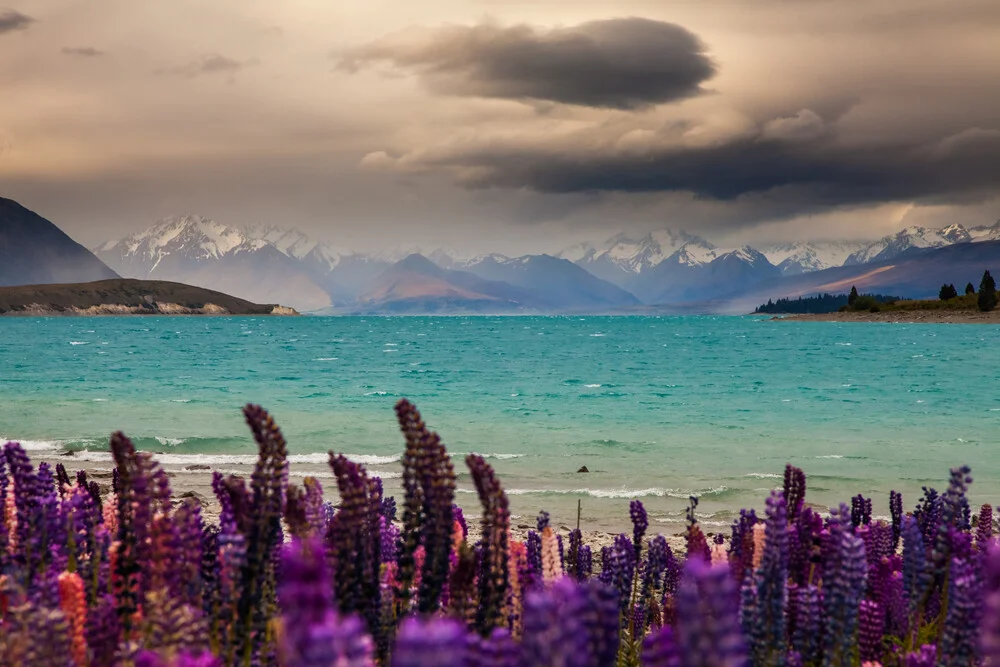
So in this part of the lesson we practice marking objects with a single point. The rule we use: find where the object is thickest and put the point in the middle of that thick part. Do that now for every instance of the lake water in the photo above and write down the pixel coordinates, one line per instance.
(658, 408)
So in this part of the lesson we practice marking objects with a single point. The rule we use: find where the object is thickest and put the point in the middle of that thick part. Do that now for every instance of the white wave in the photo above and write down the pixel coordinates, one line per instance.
(831, 456)
(592, 386)
(763, 475)
(598, 335)
(376, 393)
(100, 400)
(78, 342)
(180, 400)
(622, 493)
(319, 458)
(391, 344)
(701, 522)
(499, 457)
(169, 441)
(326, 359)
(35, 445)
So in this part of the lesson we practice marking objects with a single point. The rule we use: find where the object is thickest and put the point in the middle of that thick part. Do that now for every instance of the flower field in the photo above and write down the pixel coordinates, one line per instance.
(137, 577)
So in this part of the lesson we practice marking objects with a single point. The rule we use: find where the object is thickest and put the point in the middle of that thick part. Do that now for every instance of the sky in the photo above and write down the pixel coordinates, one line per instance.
(506, 125)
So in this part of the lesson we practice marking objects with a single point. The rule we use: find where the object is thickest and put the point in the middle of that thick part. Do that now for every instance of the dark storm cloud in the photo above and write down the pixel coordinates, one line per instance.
(82, 51)
(797, 165)
(11, 20)
(619, 63)
(210, 64)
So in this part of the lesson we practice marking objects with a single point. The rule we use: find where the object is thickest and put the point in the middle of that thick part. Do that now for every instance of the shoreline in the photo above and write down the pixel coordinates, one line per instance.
(197, 483)
(898, 317)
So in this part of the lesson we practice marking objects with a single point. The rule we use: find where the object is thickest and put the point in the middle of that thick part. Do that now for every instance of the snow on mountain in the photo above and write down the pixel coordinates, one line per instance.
(893, 245)
(805, 256)
(986, 233)
(198, 251)
(696, 253)
(191, 236)
(637, 255)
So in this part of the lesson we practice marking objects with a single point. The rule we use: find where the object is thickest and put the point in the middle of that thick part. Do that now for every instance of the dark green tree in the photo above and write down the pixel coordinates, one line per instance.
(853, 296)
(969, 289)
(947, 292)
(987, 293)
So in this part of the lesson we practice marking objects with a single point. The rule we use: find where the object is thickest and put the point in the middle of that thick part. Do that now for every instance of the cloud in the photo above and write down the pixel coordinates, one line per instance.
(82, 51)
(209, 64)
(11, 20)
(624, 63)
(789, 166)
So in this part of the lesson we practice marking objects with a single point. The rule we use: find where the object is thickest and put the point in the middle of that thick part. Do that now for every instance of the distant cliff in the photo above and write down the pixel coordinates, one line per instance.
(127, 297)
(35, 251)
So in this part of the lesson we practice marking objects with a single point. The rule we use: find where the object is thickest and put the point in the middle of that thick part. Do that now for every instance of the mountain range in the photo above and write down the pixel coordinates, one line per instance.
(669, 270)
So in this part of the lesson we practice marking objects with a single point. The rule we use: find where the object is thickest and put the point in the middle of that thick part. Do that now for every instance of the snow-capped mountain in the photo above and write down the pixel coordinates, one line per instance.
(190, 236)
(699, 271)
(986, 233)
(622, 257)
(806, 256)
(198, 251)
(274, 264)
(894, 245)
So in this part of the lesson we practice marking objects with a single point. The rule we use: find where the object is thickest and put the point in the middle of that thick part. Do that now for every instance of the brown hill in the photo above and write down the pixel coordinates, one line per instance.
(123, 296)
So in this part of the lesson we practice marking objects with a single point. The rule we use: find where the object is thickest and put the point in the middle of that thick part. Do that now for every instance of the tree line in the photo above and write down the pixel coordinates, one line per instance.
(986, 297)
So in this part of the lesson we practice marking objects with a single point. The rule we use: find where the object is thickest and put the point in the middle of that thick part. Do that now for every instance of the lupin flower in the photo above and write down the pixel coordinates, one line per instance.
(843, 587)
(258, 511)
(916, 577)
(870, 630)
(896, 511)
(989, 638)
(659, 649)
(74, 605)
(429, 478)
(861, 510)
(708, 627)
(640, 522)
(570, 624)
(573, 557)
(462, 585)
(794, 490)
(759, 542)
(551, 568)
(806, 603)
(958, 639)
(313, 633)
(586, 563)
(771, 579)
(355, 541)
(741, 544)
(697, 544)
(423, 642)
(653, 574)
(984, 527)
(534, 546)
(493, 580)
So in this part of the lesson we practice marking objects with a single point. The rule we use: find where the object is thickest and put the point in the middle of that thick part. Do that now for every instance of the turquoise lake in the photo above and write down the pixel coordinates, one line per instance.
(657, 408)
